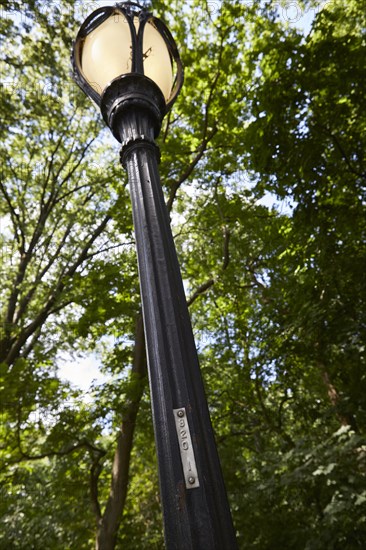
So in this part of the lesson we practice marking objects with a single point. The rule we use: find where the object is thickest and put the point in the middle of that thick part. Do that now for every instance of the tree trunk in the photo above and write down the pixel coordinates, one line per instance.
(345, 418)
(109, 522)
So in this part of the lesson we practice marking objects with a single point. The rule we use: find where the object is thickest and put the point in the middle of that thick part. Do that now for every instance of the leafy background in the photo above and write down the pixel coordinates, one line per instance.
(263, 169)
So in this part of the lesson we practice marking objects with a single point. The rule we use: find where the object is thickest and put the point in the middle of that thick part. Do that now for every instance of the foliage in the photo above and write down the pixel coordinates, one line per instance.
(267, 114)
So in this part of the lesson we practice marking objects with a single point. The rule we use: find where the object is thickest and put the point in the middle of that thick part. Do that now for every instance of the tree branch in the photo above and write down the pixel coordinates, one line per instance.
(112, 516)
(225, 263)
(325, 130)
(176, 185)
(17, 226)
(206, 135)
(95, 471)
(59, 287)
(200, 290)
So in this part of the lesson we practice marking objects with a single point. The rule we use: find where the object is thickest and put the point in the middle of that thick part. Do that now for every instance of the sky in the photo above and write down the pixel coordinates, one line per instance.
(81, 372)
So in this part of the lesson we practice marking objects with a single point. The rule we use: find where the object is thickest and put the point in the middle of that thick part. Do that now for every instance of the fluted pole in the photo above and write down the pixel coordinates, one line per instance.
(194, 501)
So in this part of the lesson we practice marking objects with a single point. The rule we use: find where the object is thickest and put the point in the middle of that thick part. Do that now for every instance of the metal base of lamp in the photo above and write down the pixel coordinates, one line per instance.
(132, 92)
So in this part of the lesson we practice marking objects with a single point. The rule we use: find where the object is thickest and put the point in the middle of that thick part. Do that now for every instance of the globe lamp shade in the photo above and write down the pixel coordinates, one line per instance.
(125, 39)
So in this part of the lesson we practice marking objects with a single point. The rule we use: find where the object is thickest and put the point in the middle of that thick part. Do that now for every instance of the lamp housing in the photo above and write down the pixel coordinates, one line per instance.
(124, 54)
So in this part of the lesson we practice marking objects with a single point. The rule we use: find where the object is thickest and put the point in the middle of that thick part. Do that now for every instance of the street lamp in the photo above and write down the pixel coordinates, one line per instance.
(127, 61)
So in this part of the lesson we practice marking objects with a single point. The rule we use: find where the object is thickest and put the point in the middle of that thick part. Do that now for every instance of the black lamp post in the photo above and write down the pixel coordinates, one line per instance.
(127, 61)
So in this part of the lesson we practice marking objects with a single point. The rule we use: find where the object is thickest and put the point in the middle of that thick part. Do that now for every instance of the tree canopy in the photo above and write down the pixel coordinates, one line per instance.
(263, 169)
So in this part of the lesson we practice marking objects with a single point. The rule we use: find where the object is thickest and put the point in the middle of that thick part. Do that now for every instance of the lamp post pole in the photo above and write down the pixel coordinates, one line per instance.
(195, 506)
(196, 512)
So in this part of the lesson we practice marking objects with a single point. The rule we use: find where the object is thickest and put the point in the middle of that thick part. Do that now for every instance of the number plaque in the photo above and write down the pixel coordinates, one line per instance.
(186, 449)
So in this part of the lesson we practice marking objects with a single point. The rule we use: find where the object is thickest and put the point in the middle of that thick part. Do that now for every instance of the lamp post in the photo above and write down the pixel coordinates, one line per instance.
(127, 62)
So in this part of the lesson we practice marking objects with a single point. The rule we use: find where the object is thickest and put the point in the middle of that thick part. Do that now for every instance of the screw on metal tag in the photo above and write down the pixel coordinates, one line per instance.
(186, 448)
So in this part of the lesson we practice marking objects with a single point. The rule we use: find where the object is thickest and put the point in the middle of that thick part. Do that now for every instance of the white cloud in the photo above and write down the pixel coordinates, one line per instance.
(80, 371)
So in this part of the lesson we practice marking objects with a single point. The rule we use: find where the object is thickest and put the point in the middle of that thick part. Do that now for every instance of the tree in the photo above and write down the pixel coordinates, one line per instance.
(277, 298)
(64, 222)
